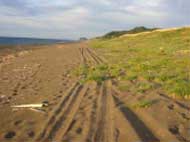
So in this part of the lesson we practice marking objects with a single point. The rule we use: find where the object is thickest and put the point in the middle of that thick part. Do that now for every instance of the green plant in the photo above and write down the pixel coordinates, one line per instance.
(181, 88)
(144, 86)
(143, 104)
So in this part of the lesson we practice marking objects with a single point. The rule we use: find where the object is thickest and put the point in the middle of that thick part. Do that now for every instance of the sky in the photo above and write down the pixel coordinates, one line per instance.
(72, 19)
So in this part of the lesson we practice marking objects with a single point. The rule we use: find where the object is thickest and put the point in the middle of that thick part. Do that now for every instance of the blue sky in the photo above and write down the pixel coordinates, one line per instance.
(75, 18)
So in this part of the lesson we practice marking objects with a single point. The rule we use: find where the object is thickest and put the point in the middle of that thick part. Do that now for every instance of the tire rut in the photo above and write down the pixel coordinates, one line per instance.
(58, 110)
(142, 132)
(66, 119)
(94, 56)
(100, 124)
(83, 119)
(91, 61)
(94, 117)
(84, 59)
(105, 126)
(175, 101)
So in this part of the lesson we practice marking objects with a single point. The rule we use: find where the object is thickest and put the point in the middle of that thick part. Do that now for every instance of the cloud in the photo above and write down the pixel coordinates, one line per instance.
(143, 11)
(75, 18)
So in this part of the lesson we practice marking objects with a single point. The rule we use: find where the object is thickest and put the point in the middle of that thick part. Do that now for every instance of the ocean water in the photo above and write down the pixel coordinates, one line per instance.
(22, 41)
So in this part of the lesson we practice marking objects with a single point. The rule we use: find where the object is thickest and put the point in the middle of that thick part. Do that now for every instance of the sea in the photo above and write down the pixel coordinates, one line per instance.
(28, 41)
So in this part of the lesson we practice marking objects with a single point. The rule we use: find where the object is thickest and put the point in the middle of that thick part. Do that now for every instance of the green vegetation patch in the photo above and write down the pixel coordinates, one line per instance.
(143, 104)
(99, 73)
(153, 61)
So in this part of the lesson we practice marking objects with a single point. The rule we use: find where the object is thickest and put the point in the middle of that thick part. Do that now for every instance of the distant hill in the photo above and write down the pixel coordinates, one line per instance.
(83, 39)
(135, 30)
(22, 41)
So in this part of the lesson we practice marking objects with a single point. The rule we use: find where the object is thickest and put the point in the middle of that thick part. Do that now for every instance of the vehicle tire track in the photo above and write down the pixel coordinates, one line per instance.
(94, 115)
(94, 55)
(105, 128)
(69, 105)
(84, 59)
(91, 61)
(65, 120)
(83, 118)
(138, 127)
(58, 116)
(175, 101)
(58, 110)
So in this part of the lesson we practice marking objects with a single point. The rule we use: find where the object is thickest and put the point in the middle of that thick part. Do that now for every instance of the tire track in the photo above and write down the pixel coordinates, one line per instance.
(65, 120)
(83, 118)
(175, 101)
(58, 110)
(67, 107)
(104, 132)
(94, 57)
(110, 105)
(97, 58)
(84, 59)
(99, 134)
(138, 128)
(91, 61)
(101, 126)
(94, 116)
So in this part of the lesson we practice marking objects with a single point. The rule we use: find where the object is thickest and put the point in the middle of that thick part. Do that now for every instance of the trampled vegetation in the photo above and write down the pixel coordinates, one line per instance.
(156, 61)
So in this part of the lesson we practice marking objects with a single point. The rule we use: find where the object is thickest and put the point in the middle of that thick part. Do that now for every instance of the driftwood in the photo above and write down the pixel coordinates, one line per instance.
(28, 106)
(33, 107)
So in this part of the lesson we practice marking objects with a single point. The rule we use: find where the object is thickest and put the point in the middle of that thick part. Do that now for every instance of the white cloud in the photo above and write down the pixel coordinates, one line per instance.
(150, 3)
(143, 11)
(75, 18)
(101, 2)
(69, 20)
(47, 3)
(72, 18)
(6, 10)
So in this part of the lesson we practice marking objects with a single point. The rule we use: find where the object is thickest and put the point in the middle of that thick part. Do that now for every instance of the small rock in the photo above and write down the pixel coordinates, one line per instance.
(79, 130)
(9, 98)
(10, 135)
(174, 130)
(31, 134)
(17, 122)
(3, 96)
(171, 106)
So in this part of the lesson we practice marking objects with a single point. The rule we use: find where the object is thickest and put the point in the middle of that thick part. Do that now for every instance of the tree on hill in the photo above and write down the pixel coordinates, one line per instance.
(132, 31)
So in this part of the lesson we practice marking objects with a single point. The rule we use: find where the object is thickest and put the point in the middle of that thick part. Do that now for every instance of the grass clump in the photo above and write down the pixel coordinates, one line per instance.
(143, 104)
(144, 86)
(181, 88)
